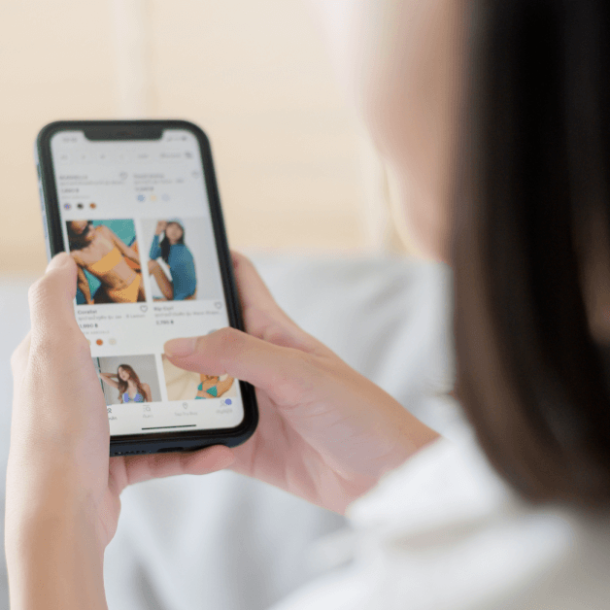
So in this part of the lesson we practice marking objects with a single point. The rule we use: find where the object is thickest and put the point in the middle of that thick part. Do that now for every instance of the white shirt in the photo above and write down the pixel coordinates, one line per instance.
(443, 532)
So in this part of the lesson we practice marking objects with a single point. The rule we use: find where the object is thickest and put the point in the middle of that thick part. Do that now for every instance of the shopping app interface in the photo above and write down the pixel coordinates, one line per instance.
(135, 218)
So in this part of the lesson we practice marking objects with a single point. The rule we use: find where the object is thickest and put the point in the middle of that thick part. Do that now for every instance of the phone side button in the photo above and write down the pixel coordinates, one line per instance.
(45, 231)
(47, 243)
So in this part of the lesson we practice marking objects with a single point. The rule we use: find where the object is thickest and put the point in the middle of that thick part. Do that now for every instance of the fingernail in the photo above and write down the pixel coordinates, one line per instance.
(58, 261)
(180, 347)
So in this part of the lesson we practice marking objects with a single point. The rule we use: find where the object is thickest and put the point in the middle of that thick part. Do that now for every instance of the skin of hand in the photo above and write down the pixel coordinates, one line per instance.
(62, 493)
(160, 227)
(326, 433)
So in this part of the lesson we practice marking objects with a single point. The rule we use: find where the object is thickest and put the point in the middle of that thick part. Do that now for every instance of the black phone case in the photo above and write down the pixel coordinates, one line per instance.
(151, 130)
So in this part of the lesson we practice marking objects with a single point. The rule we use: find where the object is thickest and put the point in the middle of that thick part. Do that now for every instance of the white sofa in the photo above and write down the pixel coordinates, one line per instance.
(225, 542)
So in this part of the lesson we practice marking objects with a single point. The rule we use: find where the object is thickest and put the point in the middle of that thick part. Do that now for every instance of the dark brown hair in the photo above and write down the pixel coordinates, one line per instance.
(76, 240)
(533, 200)
(165, 245)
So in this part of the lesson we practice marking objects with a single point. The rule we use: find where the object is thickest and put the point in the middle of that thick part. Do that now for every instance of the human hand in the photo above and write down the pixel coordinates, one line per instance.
(326, 433)
(160, 227)
(62, 487)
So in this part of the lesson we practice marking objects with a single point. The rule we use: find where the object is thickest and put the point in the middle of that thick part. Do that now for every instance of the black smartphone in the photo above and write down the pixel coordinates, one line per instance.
(136, 205)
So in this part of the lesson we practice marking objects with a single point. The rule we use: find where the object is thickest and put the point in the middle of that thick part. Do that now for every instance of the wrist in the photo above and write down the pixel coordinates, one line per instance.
(47, 529)
(55, 560)
(413, 436)
(410, 436)
(51, 495)
(52, 531)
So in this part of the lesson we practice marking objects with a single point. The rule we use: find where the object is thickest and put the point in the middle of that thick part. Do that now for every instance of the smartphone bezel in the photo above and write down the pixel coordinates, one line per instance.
(153, 130)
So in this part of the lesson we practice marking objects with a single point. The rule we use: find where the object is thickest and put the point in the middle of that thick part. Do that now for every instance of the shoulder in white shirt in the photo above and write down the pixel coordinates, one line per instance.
(443, 532)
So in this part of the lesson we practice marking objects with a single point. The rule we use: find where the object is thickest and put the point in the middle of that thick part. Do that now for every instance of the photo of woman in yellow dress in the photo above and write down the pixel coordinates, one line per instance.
(112, 267)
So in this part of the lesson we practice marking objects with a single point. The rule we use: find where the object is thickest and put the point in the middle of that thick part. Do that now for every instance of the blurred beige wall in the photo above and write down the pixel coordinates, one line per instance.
(254, 74)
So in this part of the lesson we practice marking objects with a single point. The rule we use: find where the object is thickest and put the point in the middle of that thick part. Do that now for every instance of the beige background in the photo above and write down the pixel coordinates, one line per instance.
(255, 75)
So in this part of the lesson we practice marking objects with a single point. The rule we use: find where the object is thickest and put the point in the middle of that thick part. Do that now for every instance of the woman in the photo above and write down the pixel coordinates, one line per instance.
(104, 255)
(212, 387)
(130, 388)
(177, 256)
(492, 113)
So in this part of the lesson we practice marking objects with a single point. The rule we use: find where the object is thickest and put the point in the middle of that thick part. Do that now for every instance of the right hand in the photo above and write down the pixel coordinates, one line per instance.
(326, 433)
(160, 227)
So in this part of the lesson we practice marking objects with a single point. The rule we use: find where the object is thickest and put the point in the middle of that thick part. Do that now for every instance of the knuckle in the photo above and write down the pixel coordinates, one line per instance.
(227, 334)
(242, 259)
(295, 383)
(218, 348)
(38, 291)
(16, 361)
(305, 362)
(51, 344)
(229, 339)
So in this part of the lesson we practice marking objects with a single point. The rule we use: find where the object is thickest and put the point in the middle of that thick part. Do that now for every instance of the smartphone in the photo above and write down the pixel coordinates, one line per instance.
(136, 205)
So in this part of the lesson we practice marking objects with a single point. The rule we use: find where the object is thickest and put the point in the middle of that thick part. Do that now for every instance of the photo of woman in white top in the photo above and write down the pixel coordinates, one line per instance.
(493, 116)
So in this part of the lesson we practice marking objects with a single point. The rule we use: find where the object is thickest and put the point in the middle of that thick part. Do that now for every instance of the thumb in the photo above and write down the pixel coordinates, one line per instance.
(285, 374)
(51, 299)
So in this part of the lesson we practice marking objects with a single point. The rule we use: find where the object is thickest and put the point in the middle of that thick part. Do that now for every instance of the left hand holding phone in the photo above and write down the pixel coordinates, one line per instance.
(62, 498)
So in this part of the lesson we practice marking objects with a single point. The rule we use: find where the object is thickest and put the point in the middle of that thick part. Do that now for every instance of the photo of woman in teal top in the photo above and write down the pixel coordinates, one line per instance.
(176, 254)
(211, 386)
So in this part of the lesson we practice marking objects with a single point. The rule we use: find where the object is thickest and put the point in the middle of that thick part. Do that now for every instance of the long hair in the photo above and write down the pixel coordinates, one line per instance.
(532, 213)
(165, 245)
(77, 241)
(133, 376)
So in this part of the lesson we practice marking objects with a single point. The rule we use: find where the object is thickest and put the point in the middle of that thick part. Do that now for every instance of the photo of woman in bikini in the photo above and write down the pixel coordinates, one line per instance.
(188, 385)
(128, 384)
(108, 268)
(212, 386)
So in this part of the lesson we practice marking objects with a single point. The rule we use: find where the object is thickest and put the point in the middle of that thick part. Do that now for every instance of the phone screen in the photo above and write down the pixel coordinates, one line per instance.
(135, 218)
